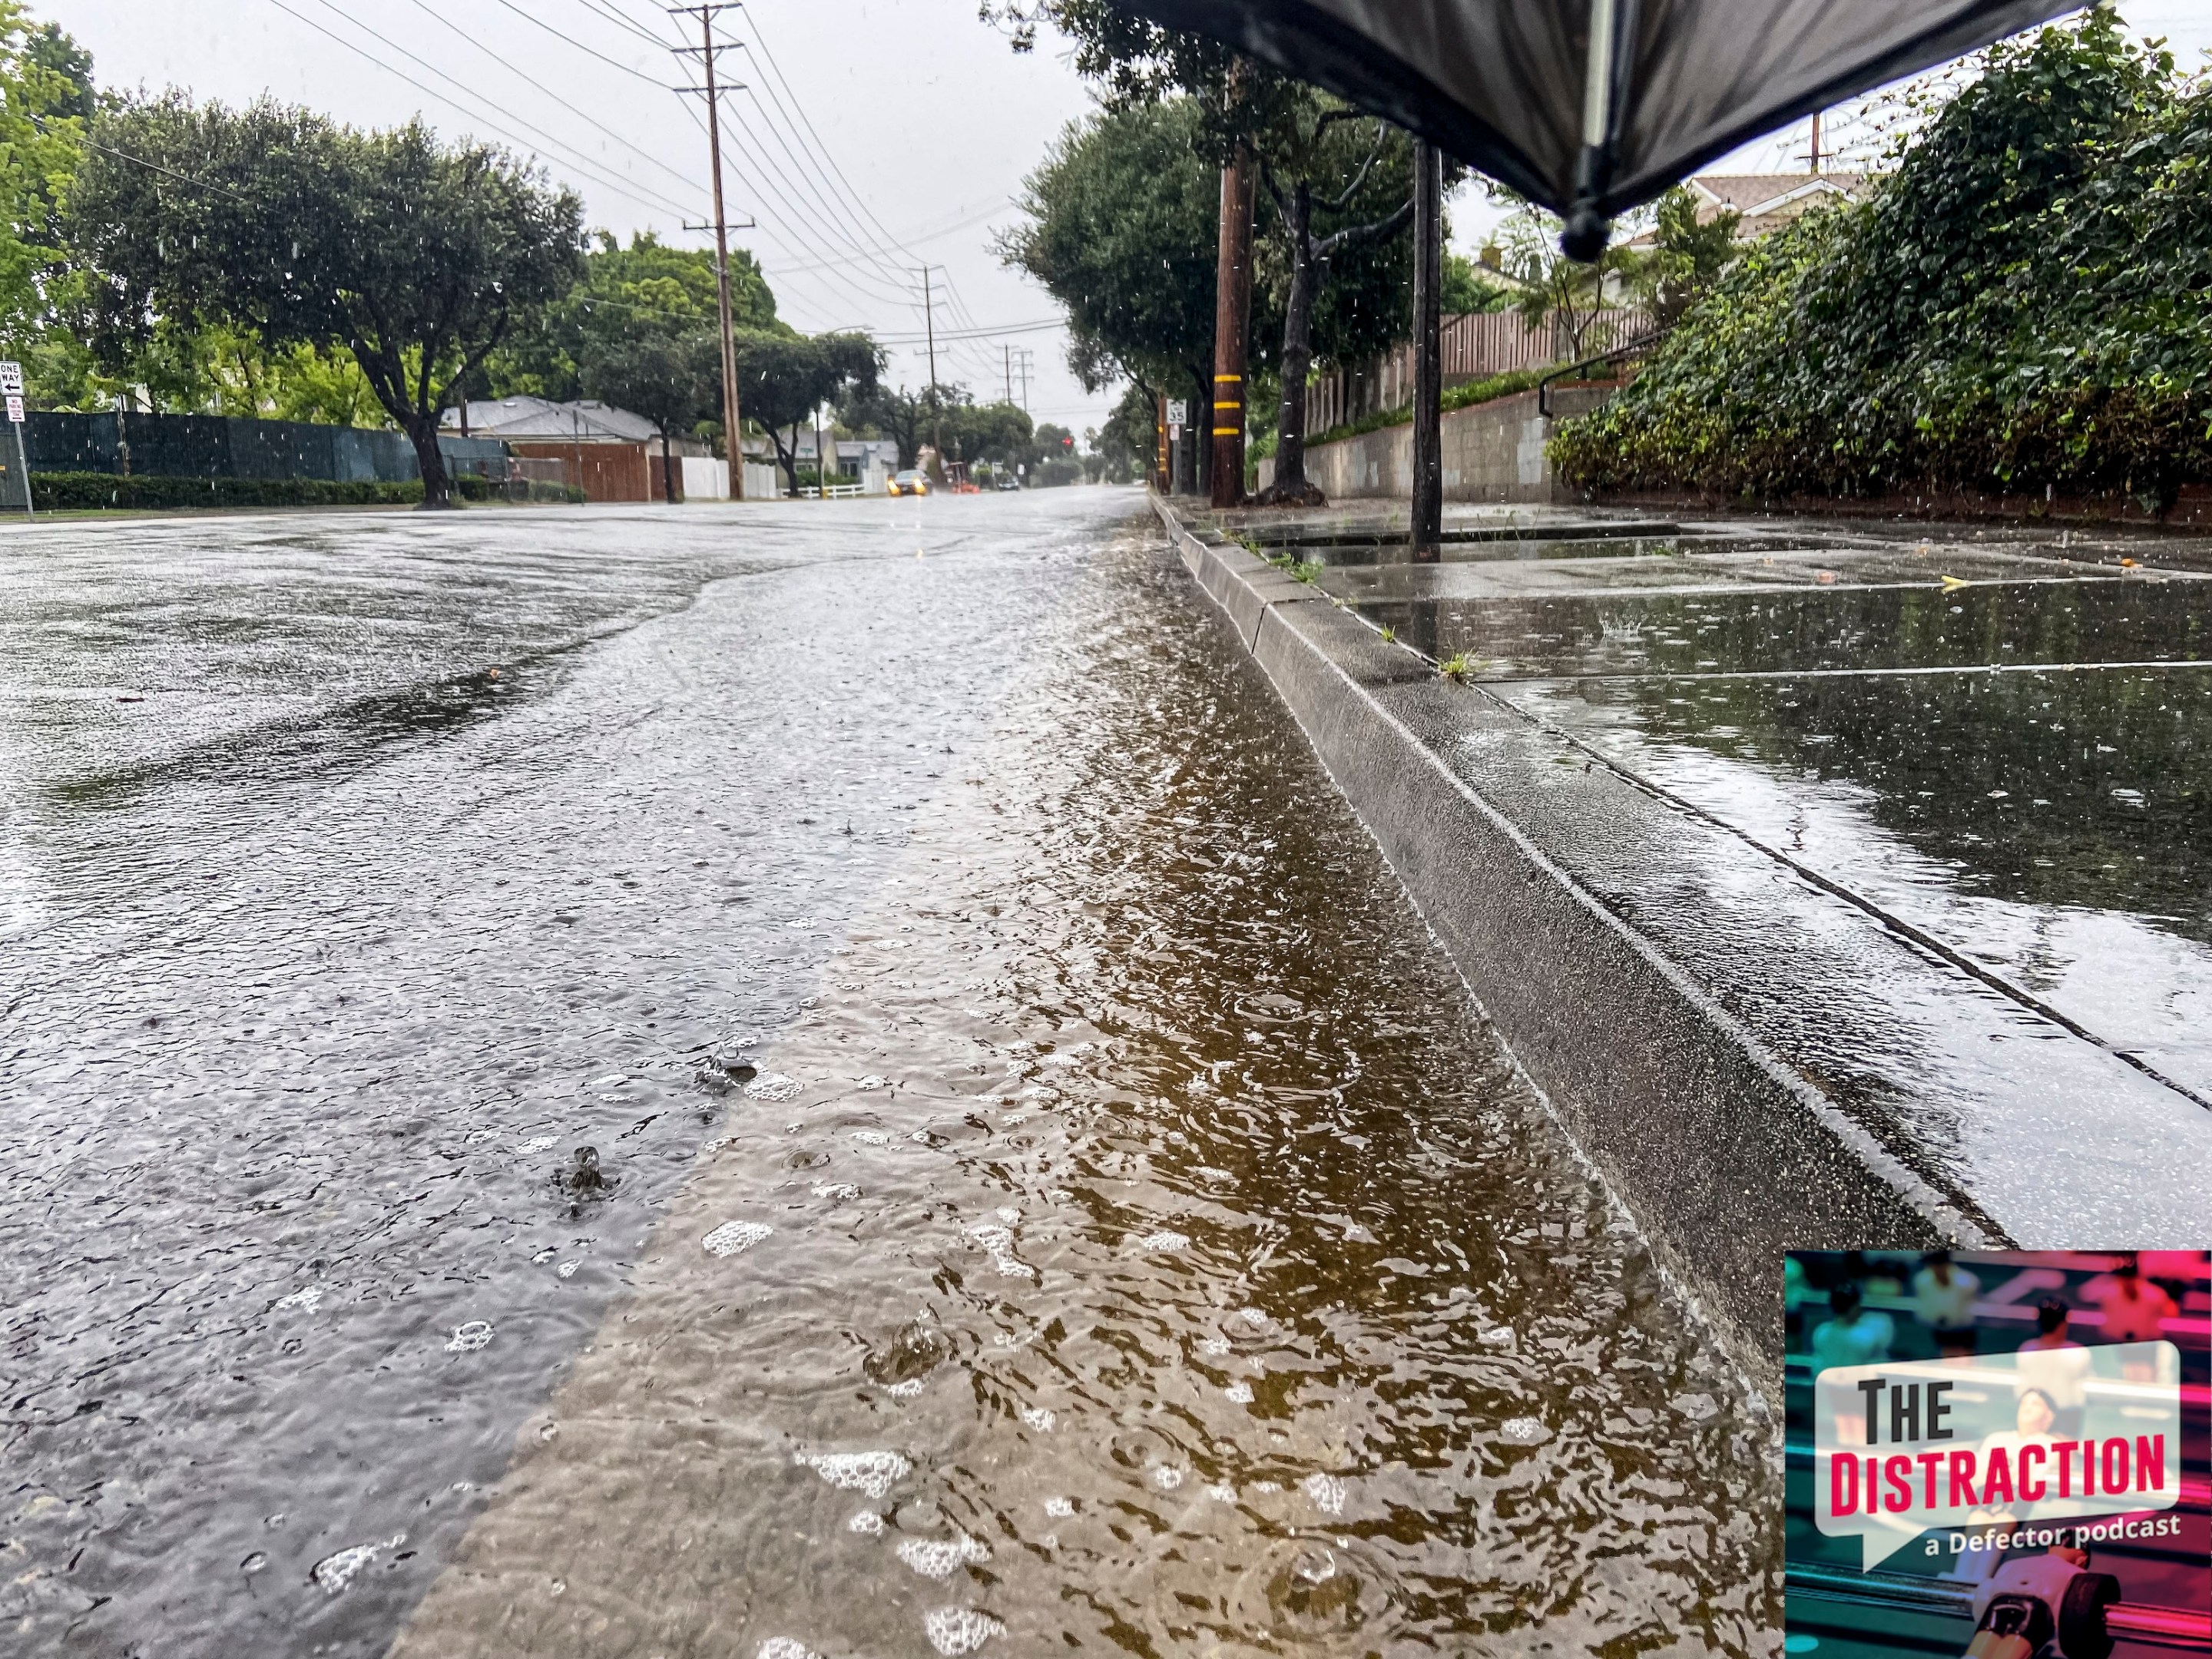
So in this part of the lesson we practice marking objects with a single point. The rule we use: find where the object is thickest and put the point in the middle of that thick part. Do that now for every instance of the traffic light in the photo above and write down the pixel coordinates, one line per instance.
(1068, 442)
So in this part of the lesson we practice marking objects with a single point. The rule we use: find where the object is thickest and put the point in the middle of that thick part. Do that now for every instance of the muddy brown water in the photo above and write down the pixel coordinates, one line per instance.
(1128, 1238)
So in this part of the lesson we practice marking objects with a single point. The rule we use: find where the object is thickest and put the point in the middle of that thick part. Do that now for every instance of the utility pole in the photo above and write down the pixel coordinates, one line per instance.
(1009, 350)
(1027, 357)
(1428, 357)
(732, 419)
(1232, 315)
(1815, 157)
(929, 329)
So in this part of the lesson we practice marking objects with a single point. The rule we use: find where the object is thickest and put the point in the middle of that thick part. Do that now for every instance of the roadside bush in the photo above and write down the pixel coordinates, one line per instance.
(60, 491)
(65, 491)
(2025, 305)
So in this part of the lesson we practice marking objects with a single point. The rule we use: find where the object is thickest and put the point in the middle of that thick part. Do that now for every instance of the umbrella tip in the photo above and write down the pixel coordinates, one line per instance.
(1587, 232)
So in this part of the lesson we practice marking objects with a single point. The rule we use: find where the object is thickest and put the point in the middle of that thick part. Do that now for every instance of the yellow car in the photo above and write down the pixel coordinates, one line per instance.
(912, 481)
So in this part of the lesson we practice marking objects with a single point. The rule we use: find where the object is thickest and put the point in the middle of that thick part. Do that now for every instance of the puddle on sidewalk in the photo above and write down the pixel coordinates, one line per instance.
(2052, 825)
(1139, 1246)
(1816, 628)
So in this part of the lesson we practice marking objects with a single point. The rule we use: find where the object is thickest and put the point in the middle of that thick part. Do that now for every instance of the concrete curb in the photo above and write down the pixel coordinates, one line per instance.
(1724, 1153)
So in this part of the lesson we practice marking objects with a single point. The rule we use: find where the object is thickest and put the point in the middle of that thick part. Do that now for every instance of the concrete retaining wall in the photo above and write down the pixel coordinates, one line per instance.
(1492, 452)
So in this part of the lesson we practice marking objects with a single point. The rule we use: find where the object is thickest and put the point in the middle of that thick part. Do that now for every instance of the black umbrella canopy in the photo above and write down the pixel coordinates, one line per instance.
(1508, 86)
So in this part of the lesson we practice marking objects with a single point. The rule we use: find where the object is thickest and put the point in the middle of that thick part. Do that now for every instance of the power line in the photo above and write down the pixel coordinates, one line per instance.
(155, 166)
(839, 269)
(597, 125)
(589, 170)
(614, 63)
(622, 21)
(979, 332)
(570, 40)
(820, 204)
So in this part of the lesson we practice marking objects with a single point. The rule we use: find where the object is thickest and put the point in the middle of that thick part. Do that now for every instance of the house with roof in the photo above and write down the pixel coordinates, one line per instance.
(1769, 201)
(613, 455)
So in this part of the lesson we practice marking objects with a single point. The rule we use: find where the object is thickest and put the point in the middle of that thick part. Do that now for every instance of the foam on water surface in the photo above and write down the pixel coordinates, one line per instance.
(874, 1473)
(941, 1559)
(735, 1237)
(956, 1630)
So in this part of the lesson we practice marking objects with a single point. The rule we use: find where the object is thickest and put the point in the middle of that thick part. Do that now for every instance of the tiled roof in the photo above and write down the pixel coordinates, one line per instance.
(1747, 192)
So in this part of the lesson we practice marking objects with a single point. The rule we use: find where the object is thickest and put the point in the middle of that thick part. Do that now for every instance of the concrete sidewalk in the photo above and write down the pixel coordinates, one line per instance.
(1838, 888)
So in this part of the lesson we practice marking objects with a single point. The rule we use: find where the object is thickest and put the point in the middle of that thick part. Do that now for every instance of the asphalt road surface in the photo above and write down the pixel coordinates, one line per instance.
(1046, 1188)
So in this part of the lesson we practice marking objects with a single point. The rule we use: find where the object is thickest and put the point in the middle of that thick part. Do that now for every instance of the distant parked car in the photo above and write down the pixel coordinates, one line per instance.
(1007, 481)
(912, 481)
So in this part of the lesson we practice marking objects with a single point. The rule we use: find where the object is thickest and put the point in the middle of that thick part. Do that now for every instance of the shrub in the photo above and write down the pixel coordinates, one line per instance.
(2025, 305)
(59, 491)
(65, 491)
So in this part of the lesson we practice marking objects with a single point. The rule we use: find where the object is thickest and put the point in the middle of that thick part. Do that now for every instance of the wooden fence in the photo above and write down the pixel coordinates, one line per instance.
(1474, 348)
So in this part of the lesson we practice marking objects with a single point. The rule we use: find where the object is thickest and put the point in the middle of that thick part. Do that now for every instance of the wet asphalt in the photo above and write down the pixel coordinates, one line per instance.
(358, 870)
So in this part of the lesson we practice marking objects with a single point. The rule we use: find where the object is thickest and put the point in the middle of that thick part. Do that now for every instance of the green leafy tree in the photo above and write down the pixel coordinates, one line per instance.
(1467, 292)
(418, 259)
(1339, 183)
(1331, 177)
(2023, 305)
(785, 379)
(1126, 442)
(50, 48)
(46, 92)
(998, 433)
(903, 417)
(1567, 296)
(1121, 226)
(626, 294)
(671, 380)
(1686, 257)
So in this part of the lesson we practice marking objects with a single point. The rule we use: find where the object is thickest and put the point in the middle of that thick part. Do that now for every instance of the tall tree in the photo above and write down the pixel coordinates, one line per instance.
(783, 379)
(46, 92)
(1687, 257)
(1121, 222)
(1319, 223)
(419, 258)
(672, 380)
(903, 417)
(1288, 130)
(646, 288)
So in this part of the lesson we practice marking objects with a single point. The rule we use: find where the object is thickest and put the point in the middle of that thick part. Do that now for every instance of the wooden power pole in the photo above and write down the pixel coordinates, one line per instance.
(1232, 314)
(1428, 353)
(732, 419)
(929, 330)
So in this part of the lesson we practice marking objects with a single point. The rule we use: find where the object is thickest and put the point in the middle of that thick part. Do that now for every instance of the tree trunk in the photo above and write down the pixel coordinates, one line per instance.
(437, 490)
(789, 456)
(667, 477)
(1291, 487)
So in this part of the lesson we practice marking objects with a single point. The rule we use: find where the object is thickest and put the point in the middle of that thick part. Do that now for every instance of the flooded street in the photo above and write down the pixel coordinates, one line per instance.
(1047, 1190)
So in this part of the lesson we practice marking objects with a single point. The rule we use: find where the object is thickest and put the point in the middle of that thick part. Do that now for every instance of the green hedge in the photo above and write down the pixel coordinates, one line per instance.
(63, 491)
(2023, 307)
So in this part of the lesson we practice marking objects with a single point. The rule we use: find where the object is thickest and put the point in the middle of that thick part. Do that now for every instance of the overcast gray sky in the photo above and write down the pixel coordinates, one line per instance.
(872, 136)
